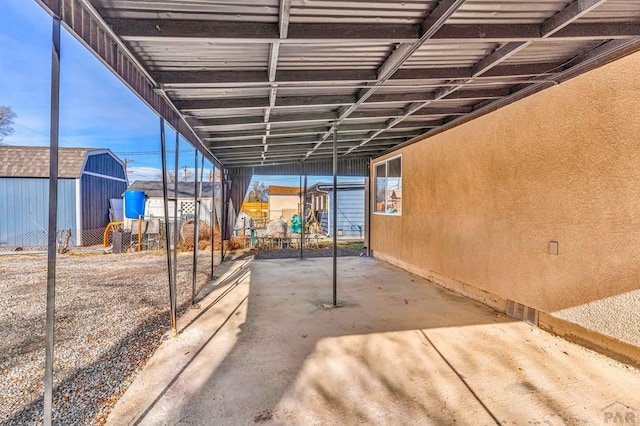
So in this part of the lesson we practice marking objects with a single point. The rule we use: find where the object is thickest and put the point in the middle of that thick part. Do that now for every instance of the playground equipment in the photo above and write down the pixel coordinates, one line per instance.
(296, 224)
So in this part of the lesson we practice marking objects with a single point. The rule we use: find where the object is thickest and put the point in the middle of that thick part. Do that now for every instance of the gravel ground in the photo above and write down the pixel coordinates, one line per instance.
(321, 252)
(111, 314)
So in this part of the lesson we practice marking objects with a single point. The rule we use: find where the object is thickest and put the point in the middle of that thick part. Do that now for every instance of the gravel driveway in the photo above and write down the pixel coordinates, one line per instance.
(111, 314)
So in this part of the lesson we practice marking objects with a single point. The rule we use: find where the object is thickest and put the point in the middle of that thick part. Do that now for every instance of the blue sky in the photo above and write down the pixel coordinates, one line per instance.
(96, 109)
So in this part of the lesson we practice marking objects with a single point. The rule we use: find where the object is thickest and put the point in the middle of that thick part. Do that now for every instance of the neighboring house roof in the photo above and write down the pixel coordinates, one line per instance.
(33, 161)
(153, 189)
(284, 190)
(328, 186)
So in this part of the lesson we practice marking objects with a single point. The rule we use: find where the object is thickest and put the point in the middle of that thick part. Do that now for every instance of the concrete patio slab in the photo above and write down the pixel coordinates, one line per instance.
(399, 350)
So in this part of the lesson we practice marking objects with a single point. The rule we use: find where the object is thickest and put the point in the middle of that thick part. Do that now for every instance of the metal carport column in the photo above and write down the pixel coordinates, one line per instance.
(53, 219)
(167, 230)
(334, 213)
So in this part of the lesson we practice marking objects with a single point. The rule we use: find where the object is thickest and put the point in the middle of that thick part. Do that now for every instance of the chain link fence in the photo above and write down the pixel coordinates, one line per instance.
(146, 234)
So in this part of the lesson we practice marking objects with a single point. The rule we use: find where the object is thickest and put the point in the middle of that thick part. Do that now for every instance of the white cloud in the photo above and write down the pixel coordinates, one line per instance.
(144, 173)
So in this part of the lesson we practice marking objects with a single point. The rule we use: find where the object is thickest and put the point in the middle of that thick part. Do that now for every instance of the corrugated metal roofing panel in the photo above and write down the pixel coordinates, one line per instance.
(434, 54)
(261, 69)
(222, 10)
(380, 12)
(176, 55)
(318, 91)
(225, 113)
(507, 11)
(219, 93)
(305, 108)
(330, 56)
(550, 51)
(614, 10)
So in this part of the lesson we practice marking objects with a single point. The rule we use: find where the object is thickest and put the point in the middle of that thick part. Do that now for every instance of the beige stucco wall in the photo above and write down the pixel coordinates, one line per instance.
(283, 206)
(482, 201)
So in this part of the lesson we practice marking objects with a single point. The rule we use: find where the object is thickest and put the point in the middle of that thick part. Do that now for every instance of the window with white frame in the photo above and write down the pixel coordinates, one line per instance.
(388, 186)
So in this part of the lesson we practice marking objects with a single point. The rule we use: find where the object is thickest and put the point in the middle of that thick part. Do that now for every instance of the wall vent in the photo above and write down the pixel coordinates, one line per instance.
(522, 312)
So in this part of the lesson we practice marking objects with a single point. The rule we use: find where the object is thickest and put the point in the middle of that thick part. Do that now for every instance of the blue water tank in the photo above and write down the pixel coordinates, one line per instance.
(134, 202)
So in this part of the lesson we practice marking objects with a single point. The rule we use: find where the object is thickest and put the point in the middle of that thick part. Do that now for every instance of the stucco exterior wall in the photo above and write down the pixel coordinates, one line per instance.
(283, 206)
(482, 201)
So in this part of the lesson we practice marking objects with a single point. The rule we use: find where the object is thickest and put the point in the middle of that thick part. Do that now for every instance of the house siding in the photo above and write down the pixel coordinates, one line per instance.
(24, 210)
(96, 192)
(350, 213)
(104, 164)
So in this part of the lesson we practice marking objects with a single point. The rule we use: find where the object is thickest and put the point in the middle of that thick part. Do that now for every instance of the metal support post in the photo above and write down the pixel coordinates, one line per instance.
(304, 219)
(367, 210)
(334, 212)
(196, 218)
(223, 213)
(176, 223)
(301, 210)
(196, 228)
(165, 196)
(53, 221)
(213, 216)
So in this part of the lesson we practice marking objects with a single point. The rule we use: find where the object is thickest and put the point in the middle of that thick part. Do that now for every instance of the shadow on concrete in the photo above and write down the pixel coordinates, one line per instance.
(285, 323)
(399, 350)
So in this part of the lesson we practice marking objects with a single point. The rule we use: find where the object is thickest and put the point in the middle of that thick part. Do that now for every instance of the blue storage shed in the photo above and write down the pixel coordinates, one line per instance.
(350, 207)
(87, 179)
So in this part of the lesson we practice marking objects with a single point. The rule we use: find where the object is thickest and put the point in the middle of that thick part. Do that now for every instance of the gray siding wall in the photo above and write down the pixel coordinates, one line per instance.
(350, 213)
(96, 192)
(104, 164)
(24, 210)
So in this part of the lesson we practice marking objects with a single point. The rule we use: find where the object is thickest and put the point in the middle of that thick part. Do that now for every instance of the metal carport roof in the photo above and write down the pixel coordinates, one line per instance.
(263, 85)
(263, 82)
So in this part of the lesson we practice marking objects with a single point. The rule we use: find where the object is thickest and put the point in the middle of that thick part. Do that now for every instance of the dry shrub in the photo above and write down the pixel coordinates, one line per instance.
(186, 244)
(235, 244)
(204, 237)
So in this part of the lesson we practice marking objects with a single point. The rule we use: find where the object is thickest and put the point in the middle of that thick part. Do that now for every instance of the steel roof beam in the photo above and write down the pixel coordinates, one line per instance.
(297, 78)
(312, 117)
(247, 137)
(328, 100)
(258, 153)
(345, 127)
(257, 163)
(282, 153)
(274, 52)
(292, 118)
(569, 14)
(306, 140)
(258, 143)
(260, 32)
(502, 33)
(219, 147)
